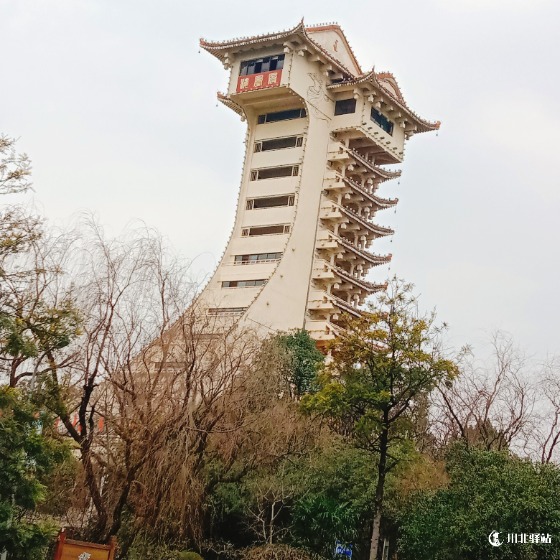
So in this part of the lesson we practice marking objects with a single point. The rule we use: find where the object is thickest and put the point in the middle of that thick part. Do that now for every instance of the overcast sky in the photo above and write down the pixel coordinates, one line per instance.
(117, 108)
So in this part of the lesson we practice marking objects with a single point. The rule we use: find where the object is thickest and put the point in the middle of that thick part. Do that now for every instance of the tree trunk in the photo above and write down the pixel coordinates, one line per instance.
(271, 523)
(379, 489)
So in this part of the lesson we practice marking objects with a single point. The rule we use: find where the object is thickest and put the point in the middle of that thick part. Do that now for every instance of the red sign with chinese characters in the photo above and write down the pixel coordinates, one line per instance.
(67, 549)
(259, 81)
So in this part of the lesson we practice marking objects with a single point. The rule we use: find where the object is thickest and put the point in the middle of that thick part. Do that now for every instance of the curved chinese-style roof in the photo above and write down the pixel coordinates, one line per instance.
(386, 82)
(378, 201)
(335, 29)
(230, 104)
(386, 174)
(377, 230)
(314, 37)
(220, 49)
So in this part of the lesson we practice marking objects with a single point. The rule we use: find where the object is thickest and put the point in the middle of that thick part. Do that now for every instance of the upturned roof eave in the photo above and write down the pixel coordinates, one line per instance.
(371, 78)
(221, 48)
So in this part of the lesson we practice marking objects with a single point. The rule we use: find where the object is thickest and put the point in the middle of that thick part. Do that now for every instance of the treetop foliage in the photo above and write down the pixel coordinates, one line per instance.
(488, 491)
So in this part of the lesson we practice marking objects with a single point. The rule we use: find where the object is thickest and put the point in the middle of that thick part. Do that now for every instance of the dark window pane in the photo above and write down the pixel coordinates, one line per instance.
(279, 143)
(258, 65)
(274, 172)
(381, 120)
(345, 106)
(271, 202)
(268, 230)
(282, 115)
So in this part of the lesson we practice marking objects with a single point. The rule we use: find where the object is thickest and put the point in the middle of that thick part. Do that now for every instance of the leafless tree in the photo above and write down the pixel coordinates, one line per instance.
(142, 383)
(491, 408)
(547, 435)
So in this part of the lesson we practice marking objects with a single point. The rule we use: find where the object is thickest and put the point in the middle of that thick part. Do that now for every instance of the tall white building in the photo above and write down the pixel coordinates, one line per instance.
(319, 133)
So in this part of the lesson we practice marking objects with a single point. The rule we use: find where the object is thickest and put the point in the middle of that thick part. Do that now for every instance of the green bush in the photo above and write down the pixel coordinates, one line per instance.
(188, 555)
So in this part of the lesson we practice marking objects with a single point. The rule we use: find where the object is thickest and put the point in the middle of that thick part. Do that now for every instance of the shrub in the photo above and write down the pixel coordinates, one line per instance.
(188, 555)
(277, 552)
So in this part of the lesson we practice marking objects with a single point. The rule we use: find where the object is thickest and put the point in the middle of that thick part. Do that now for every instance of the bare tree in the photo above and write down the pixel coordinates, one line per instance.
(488, 408)
(547, 436)
(157, 378)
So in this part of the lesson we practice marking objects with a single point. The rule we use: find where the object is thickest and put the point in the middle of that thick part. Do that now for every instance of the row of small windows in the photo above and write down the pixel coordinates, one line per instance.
(270, 202)
(274, 172)
(257, 257)
(266, 230)
(281, 116)
(278, 143)
(258, 65)
(243, 283)
(226, 310)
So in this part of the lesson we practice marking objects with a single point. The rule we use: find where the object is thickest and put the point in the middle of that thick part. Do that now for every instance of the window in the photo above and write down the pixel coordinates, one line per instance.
(243, 283)
(257, 257)
(274, 172)
(382, 121)
(265, 230)
(282, 116)
(270, 202)
(278, 143)
(226, 310)
(345, 106)
(258, 65)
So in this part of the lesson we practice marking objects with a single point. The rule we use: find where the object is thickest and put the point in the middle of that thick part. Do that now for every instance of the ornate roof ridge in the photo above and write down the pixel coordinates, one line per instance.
(328, 54)
(218, 47)
(336, 25)
(385, 173)
(381, 202)
(211, 45)
(372, 257)
(344, 305)
(364, 283)
(380, 230)
(389, 76)
(228, 102)
(373, 77)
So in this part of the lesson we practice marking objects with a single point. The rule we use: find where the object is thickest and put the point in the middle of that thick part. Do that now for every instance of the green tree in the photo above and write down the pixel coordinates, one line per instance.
(383, 364)
(37, 319)
(27, 456)
(334, 500)
(488, 491)
(303, 360)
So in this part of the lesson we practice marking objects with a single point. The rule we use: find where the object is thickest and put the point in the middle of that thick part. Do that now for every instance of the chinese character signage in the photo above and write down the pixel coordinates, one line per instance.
(259, 81)
(67, 549)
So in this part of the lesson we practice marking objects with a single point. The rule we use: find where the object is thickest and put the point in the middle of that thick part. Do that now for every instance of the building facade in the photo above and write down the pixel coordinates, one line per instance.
(319, 135)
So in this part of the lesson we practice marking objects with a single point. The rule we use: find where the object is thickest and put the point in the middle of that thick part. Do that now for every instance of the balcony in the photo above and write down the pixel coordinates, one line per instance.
(362, 132)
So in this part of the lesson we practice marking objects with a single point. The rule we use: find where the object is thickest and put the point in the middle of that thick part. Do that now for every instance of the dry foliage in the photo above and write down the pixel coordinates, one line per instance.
(277, 552)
